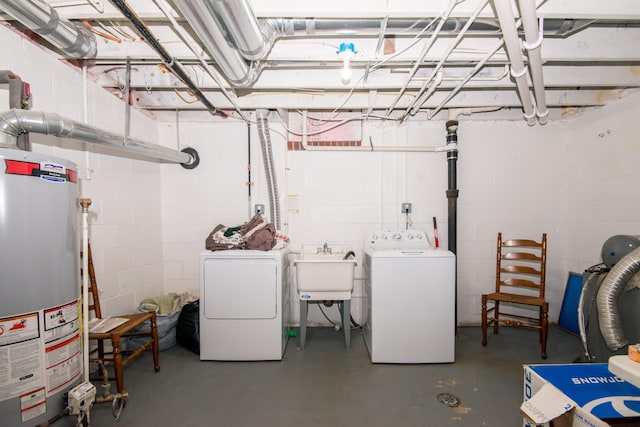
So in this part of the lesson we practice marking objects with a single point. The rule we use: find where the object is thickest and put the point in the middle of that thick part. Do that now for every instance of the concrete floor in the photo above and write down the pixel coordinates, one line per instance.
(326, 385)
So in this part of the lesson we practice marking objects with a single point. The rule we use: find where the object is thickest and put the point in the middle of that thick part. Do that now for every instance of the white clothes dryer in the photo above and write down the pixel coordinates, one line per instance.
(409, 299)
(244, 304)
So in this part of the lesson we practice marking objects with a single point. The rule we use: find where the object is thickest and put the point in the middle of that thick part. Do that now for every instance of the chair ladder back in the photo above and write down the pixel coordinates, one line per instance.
(94, 304)
(537, 258)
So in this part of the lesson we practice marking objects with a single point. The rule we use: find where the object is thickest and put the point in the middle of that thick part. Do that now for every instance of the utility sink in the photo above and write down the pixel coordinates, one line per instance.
(324, 276)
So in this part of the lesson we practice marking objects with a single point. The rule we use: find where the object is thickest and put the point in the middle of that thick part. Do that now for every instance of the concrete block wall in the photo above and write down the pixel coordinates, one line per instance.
(572, 179)
(125, 220)
(512, 178)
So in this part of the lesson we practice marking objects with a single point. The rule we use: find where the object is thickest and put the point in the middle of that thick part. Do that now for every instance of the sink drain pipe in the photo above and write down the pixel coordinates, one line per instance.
(452, 200)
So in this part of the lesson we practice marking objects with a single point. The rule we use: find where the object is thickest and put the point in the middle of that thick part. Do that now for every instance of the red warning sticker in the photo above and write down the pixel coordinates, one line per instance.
(47, 171)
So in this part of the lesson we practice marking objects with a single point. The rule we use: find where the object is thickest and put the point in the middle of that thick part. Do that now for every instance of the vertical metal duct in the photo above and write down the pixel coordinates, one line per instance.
(452, 197)
(74, 40)
(19, 98)
(202, 17)
(269, 169)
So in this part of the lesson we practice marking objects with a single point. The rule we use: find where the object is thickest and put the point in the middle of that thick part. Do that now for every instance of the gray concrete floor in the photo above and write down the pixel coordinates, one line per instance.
(326, 385)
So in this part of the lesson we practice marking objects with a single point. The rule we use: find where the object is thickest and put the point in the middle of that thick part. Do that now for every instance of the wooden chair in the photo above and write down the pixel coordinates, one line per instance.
(117, 356)
(520, 281)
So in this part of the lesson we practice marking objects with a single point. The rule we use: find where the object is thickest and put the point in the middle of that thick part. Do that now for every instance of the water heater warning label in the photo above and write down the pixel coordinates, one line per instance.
(21, 349)
(48, 171)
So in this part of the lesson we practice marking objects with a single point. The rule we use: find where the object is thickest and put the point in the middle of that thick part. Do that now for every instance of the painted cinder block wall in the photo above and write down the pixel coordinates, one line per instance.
(125, 217)
(573, 179)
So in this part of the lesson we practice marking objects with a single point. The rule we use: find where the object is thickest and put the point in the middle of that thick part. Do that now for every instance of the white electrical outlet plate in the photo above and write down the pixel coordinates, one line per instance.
(405, 208)
(259, 209)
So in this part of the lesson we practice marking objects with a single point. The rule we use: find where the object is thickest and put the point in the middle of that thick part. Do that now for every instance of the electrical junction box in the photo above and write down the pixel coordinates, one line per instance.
(579, 395)
(405, 208)
(259, 209)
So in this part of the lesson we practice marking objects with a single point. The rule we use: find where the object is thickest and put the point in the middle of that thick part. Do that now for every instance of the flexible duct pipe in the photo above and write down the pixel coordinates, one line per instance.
(533, 40)
(608, 296)
(202, 18)
(252, 39)
(512, 47)
(267, 157)
(15, 122)
(74, 40)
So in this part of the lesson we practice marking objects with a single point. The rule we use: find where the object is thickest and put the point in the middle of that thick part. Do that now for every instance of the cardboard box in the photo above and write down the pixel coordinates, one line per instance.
(579, 395)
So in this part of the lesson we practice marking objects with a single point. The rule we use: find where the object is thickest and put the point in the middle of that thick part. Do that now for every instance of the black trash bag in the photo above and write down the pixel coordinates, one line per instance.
(188, 327)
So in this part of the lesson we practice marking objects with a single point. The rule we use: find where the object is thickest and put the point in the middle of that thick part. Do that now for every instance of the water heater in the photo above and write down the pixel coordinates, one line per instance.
(40, 346)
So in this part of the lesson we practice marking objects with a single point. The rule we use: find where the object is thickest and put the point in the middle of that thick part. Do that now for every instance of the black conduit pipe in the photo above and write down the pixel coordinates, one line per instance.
(177, 69)
(452, 200)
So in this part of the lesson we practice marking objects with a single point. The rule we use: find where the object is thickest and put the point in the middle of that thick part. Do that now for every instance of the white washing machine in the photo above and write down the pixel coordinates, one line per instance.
(409, 299)
(244, 304)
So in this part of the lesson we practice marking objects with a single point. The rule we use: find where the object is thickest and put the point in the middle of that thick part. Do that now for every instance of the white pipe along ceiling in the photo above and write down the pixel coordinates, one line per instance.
(412, 60)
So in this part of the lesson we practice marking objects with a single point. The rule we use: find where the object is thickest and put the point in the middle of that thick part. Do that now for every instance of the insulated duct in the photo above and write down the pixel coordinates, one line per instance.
(74, 40)
(608, 296)
(269, 170)
(16, 122)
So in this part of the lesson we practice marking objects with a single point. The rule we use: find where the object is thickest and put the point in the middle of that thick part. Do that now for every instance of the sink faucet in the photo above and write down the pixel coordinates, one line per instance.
(325, 249)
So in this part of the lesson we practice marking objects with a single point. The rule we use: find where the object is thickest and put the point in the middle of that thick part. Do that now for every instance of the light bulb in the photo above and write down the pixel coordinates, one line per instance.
(345, 74)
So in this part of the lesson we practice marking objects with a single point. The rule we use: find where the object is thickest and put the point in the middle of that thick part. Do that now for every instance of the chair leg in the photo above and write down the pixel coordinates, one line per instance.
(544, 323)
(154, 337)
(496, 312)
(484, 320)
(346, 325)
(117, 363)
(303, 322)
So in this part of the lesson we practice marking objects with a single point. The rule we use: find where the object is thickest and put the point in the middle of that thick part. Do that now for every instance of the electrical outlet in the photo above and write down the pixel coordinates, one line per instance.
(405, 208)
(259, 209)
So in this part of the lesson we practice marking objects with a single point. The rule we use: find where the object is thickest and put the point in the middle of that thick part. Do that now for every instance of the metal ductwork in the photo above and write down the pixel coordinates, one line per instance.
(205, 21)
(20, 98)
(74, 40)
(609, 293)
(16, 122)
(269, 167)
(252, 39)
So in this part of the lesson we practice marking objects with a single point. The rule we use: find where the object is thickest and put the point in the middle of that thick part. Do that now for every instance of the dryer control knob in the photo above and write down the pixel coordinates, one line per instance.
(397, 236)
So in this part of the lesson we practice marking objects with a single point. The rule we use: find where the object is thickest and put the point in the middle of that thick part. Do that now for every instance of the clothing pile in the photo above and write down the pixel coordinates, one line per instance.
(168, 308)
(256, 234)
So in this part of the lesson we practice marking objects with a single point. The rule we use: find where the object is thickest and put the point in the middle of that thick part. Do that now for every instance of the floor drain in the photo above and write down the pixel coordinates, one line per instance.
(449, 399)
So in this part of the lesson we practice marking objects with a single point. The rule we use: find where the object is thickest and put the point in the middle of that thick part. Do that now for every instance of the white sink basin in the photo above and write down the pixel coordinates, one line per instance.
(324, 276)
